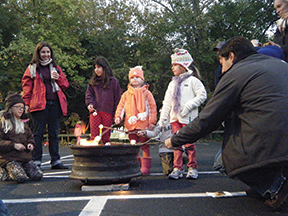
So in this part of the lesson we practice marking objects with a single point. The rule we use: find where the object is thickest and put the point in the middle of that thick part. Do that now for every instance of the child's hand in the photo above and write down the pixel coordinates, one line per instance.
(90, 108)
(141, 133)
(19, 146)
(184, 112)
(30, 147)
(151, 126)
(162, 122)
(117, 121)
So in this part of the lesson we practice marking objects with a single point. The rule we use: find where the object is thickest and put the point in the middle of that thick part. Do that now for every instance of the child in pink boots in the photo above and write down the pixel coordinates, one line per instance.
(140, 110)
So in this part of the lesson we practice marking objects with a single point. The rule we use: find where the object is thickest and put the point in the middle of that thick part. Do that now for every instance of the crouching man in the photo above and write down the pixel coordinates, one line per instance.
(252, 98)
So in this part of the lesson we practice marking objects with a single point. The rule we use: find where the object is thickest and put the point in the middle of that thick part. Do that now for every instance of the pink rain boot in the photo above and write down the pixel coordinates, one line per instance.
(145, 165)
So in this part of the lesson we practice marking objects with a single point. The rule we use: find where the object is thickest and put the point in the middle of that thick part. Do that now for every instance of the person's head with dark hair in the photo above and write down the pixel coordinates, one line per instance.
(102, 61)
(14, 105)
(39, 53)
(102, 70)
(234, 50)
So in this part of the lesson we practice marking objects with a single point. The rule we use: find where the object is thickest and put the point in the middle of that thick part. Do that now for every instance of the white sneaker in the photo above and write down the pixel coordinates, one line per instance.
(176, 174)
(192, 173)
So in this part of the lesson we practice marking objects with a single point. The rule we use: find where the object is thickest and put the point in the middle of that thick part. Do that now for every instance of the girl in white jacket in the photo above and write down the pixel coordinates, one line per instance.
(185, 93)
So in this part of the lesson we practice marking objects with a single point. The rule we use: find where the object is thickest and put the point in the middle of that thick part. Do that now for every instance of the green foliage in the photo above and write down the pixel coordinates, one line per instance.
(127, 33)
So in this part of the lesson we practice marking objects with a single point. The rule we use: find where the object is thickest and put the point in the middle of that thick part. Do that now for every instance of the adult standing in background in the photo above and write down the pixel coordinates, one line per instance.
(281, 34)
(43, 84)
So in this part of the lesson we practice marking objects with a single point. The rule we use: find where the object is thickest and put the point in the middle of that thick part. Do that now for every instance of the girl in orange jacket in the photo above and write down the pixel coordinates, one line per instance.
(140, 110)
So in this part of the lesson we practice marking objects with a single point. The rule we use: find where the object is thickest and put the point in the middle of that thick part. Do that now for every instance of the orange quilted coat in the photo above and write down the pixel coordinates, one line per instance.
(135, 101)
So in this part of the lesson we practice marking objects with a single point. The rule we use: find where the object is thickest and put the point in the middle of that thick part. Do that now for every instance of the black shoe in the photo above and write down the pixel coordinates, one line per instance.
(59, 166)
(280, 198)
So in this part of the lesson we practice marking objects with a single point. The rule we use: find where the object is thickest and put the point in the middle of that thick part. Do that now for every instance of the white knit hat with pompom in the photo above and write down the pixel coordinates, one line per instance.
(181, 57)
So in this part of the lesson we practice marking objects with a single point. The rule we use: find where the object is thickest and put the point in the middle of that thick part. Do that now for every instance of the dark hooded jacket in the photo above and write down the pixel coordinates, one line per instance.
(252, 99)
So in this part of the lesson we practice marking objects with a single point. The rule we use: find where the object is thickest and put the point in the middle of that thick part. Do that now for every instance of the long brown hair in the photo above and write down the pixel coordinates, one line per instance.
(36, 54)
(107, 72)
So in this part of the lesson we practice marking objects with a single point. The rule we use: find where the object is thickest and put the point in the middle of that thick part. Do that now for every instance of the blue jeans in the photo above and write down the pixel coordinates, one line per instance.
(267, 181)
(218, 163)
(50, 115)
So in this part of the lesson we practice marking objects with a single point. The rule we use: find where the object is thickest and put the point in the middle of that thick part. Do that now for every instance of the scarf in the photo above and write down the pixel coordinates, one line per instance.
(177, 89)
(137, 102)
(32, 68)
(45, 63)
(282, 24)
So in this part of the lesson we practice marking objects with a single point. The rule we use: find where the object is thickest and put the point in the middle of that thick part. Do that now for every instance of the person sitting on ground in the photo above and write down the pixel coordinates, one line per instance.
(16, 143)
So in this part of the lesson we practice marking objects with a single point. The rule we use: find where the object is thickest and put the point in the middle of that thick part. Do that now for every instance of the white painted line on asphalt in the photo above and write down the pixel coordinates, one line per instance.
(94, 207)
(200, 173)
(118, 197)
(56, 174)
(55, 199)
(60, 172)
(51, 177)
(67, 156)
(97, 203)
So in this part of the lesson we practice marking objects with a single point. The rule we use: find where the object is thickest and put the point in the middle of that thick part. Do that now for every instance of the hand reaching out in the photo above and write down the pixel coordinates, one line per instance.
(168, 144)
(117, 121)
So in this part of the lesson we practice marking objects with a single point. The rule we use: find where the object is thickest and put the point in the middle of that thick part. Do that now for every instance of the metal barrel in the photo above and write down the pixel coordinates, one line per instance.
(116, 163)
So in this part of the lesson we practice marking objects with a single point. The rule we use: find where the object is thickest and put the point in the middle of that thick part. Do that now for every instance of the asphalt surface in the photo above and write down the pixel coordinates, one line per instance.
(59, 195)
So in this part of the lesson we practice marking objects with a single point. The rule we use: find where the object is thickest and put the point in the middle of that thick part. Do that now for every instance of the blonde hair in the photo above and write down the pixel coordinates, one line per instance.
(12, 123)
(196, 72)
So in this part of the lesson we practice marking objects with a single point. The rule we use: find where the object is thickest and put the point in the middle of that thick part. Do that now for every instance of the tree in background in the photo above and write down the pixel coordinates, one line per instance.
(127, 33)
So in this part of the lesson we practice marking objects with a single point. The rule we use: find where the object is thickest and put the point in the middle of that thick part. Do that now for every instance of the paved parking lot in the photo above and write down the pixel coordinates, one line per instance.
(59, 195)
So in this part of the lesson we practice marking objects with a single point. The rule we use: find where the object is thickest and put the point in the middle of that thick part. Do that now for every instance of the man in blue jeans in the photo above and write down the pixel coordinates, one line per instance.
(252, 99)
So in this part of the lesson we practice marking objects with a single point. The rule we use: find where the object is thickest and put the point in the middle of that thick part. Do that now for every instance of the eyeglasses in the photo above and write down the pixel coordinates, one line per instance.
(19, 107)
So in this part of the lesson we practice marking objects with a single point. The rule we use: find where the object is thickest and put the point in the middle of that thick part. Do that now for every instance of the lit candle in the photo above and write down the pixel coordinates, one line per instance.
(101, 127)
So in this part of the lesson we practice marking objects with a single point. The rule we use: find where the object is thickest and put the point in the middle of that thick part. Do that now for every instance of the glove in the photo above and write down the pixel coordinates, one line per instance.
(184, 112)
(132, 120)
(162, 122)
(142, 116)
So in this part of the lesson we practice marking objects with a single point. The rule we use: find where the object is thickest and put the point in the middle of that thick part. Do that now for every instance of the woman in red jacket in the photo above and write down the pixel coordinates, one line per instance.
(43, 84)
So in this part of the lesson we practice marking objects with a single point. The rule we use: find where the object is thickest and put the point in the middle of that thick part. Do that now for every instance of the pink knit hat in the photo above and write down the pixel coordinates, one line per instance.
(136, 71)
(182, 57)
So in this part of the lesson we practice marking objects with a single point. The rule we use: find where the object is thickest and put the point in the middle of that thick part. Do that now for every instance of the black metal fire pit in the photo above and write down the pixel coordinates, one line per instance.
(116, 163)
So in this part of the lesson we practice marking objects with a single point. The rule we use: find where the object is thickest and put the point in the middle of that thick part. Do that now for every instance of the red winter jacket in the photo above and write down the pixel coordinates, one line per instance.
(34, 91)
